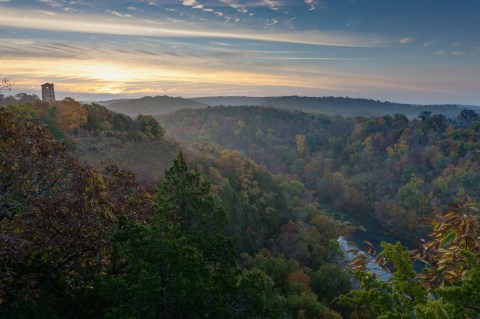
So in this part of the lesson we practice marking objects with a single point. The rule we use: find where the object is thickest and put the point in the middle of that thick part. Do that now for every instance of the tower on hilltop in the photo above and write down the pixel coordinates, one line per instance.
(48, 93)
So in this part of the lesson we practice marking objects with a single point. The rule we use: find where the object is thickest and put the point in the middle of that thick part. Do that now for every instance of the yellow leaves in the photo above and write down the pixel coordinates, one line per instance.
(71, 115)
(300, 144)
(390, 151)
(368, 145)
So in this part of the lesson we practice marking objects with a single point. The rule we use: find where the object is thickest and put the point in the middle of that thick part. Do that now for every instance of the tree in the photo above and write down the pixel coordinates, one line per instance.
(300, 143)
(185, 203)
(5, 84)
(149, 126)
(329, 282)
(199, 261)
(71, 115)
(425, 115)
(56, 218)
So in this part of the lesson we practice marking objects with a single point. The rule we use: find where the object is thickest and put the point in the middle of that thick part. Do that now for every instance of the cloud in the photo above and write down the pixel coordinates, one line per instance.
(312, 4)
(25, 19)
(118, 14)
(272, 4)
(220, 43)
(405, 40)
(236, 6)
(428, 44)
(50, 13)
(189, 3)
(193, 4)
(86, 70)
(439, 53)
(272, 22)
(52, 3)
(315, 59)
(68, 9)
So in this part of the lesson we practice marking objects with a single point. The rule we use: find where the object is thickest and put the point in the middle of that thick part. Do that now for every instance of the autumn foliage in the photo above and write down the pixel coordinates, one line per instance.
(56, 214)
(71, 115)
(455, 237)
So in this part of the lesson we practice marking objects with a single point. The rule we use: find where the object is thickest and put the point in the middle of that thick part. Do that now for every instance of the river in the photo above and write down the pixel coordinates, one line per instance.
(347, 246)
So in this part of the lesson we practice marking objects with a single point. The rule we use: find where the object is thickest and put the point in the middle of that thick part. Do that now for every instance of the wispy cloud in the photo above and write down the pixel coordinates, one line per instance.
(52, 3)
(316, 59)
(405, 40)
(24, 19)
(50, 13)
(235, 5)
(193, 68)
(118, 14)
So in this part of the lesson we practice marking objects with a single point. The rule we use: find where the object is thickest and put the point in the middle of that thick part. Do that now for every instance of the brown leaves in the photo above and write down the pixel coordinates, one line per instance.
(455, 231)
(366, 260)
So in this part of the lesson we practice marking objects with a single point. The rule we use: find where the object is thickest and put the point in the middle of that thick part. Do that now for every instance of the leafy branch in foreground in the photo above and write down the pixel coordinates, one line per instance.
(449, 285)
(454, 233)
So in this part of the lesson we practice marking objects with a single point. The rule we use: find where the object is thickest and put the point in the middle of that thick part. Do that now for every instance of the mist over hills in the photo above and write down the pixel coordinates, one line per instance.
(344, 106)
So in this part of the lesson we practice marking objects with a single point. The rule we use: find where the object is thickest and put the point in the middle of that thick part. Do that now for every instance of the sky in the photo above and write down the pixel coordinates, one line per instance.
(412, 51)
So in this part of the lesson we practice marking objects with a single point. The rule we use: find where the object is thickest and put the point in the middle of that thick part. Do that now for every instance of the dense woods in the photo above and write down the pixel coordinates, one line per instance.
(391, 169)
(236, 226)
(101, 245)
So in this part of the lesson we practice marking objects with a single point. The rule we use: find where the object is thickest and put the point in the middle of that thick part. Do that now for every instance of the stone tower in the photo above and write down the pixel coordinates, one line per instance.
(48, 93)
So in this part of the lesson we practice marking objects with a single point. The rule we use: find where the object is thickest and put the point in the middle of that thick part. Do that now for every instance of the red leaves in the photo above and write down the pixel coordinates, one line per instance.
(299, 277)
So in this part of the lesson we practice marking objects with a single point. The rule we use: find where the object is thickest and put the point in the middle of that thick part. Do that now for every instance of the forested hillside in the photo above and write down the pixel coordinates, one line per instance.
(217, 234)
(149, 105)
(78, 242)
(344, 106)
(99, 136)
(390, 168)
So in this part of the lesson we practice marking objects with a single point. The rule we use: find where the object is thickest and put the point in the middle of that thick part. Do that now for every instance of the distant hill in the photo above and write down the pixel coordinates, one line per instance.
(149, 105)
(344, 106)
(348, 107)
